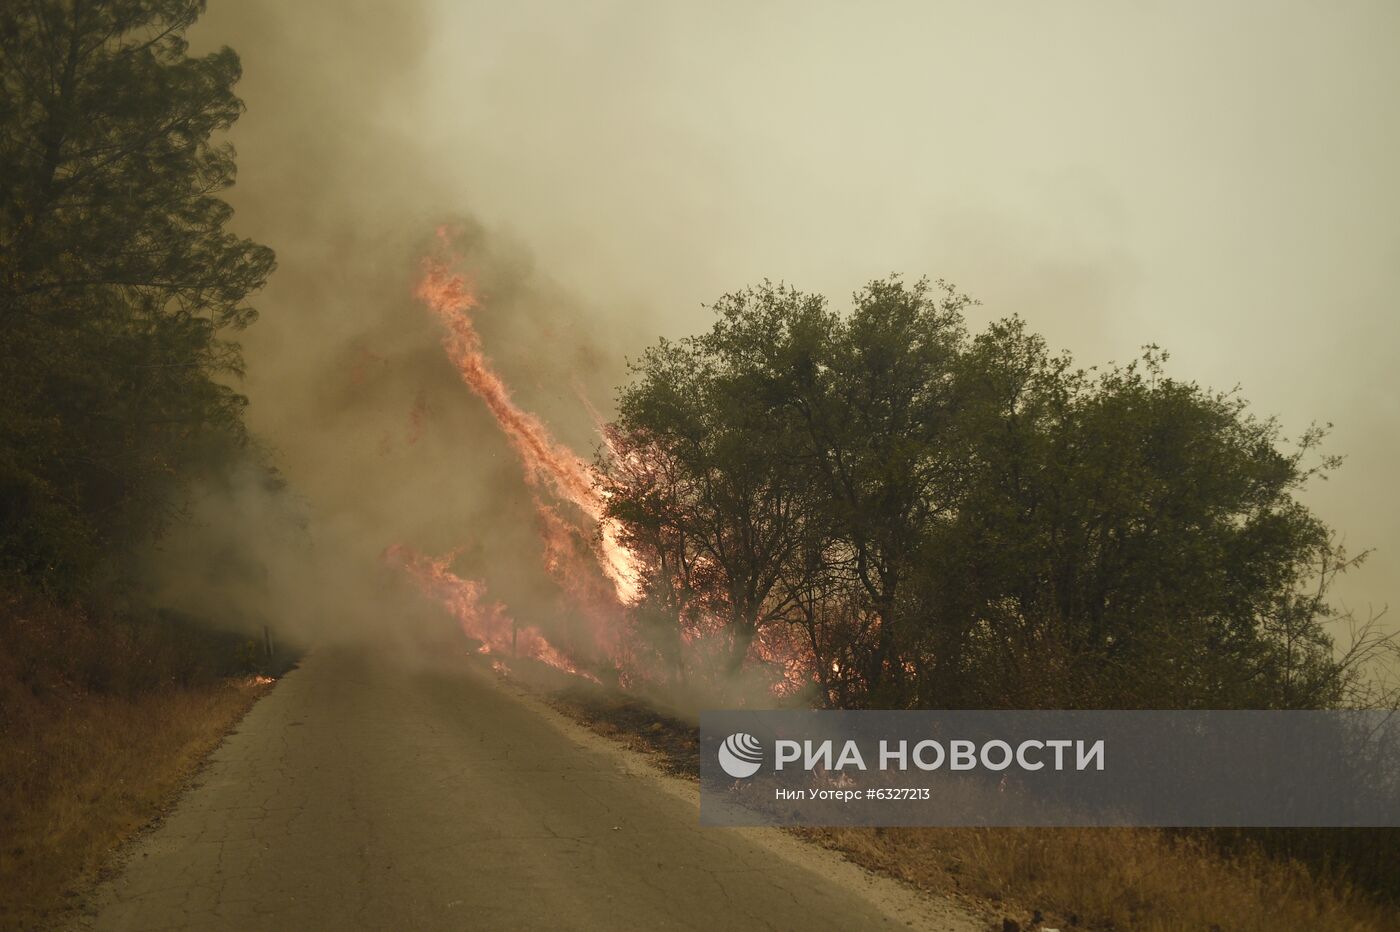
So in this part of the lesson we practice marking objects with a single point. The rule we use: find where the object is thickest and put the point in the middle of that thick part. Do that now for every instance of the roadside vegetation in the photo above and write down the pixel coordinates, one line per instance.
(885, 508)
(1147, 880)
(120, 285)
(1151, 880)
(896, 511)
(102, 725)
(121, 289)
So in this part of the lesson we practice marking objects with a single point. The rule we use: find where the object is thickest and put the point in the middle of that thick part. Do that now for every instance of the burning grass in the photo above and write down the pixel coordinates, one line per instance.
(83, 768)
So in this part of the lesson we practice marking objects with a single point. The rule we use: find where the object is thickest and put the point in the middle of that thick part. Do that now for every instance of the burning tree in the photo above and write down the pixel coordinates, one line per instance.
(722, 511)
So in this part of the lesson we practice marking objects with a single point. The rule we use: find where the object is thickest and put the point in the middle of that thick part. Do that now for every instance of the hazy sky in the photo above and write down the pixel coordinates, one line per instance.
(1217, 178)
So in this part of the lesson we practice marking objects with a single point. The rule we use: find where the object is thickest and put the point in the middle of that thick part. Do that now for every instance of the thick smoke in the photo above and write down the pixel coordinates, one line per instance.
(349, 386)
(1060, 164)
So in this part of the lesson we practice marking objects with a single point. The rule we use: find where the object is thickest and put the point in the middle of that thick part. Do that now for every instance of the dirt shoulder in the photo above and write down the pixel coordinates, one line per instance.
(1030, 879)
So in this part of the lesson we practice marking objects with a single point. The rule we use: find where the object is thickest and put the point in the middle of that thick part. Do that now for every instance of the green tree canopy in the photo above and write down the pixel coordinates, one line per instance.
(119, 282)
(968, 520)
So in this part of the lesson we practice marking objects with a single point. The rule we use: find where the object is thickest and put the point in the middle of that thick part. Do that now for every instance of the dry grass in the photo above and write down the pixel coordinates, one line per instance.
(1101, 879)
(100, 727)
(78, 778)
(1140, 879)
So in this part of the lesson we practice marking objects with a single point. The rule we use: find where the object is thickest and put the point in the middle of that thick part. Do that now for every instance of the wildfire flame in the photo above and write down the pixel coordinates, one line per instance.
(598, 573)
(449, 295)
(480, 620)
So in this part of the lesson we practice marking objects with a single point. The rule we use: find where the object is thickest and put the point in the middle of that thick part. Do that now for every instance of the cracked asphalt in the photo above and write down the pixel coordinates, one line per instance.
(364, 793)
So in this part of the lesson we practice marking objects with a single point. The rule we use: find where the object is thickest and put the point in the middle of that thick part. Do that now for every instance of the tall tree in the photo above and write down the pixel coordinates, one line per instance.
(973, 522)
(732, 507)
(877, 410)
(119, 282)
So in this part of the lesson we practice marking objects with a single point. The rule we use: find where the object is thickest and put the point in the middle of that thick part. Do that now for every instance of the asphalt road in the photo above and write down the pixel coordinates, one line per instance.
(366, 793)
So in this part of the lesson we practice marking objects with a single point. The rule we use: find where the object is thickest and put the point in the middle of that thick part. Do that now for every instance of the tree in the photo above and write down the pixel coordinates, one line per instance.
(709, 486)
(119, 282)
(973, 588)
(1126, 540)
(877, 408)
(958, 521)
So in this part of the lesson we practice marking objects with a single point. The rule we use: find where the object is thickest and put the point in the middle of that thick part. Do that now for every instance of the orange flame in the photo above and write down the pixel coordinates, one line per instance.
(479, 620)
(571, 555)
(448, 295)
